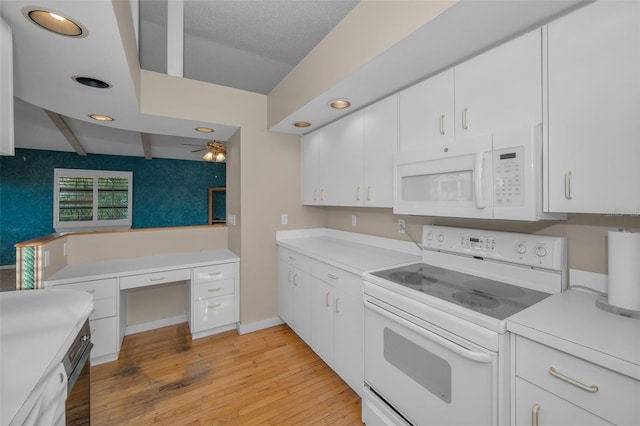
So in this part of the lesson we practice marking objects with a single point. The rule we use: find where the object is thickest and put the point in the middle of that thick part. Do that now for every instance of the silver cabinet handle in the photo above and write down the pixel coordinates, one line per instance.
(322, 195)
(295, 282)
(213, 290)
(337, 303)
(314, 194)
(464, 118)
(289, 276)
(535, 414)
(213, 274)
(326, 299)
(215, 305)
(588, 388)
(442, 124)
(333, 277)
(156, 279)
(357, 193)
(368, 193)
(567, 185)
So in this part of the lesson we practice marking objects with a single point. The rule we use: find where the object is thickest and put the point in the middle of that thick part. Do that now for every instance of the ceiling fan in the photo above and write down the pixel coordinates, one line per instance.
(216, 152)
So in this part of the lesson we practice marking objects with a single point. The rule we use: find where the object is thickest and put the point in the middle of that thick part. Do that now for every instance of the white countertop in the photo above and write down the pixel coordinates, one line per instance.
(571, 322)
(37, 328)
(141, 265)
(356, 253)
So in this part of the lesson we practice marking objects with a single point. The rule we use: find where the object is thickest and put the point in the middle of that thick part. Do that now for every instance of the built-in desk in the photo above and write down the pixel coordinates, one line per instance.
(213, 292)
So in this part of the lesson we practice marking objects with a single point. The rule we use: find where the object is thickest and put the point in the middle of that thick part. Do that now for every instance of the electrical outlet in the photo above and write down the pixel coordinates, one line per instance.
(354, 220)
(401, 226)
(284, 219)
(231, 219)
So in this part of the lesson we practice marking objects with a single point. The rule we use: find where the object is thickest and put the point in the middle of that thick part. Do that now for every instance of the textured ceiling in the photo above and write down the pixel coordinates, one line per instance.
(247, 44)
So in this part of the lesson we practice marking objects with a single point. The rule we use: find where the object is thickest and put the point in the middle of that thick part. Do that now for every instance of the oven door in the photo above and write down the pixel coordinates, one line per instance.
(454, 181)
(424, 374)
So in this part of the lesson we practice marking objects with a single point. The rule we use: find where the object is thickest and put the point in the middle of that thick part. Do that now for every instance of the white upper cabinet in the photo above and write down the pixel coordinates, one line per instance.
(497, 89)
(427, 112)
(594, 110)
(347, 156)
(380, 143)
(310, 167)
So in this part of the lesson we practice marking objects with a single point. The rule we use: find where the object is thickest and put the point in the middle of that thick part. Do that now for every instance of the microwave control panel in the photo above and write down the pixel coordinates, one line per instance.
(508, 177)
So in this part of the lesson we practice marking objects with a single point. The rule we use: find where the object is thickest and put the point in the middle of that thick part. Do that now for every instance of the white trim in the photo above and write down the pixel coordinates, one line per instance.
(212, 331)
(152, 325)
(7, 266)
(259, 325)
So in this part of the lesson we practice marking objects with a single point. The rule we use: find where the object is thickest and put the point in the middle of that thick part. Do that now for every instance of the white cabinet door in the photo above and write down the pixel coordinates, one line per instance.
(500, 88)
(534, 403)
(322, 335)
(348, 340)
(309, 152)
(347, 155)
(427, 112)
(302, 305)
(594, 109)
(285, 292)
(380, 143)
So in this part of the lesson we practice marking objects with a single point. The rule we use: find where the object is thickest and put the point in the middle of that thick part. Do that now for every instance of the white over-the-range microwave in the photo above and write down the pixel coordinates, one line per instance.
(494, 176)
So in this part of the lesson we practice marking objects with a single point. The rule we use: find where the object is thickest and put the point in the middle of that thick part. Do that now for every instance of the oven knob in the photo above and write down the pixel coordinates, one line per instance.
(521, 248)
(429, 236)
(541, 251)
(441, 238)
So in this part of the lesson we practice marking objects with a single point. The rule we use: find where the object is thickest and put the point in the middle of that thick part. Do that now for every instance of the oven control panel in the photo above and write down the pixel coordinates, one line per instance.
(528, 249)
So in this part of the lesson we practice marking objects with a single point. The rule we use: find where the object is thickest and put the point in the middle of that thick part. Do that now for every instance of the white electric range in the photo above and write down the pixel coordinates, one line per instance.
(436, 342)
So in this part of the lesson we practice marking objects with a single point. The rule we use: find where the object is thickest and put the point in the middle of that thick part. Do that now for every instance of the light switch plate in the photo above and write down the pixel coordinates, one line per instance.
(284, 219)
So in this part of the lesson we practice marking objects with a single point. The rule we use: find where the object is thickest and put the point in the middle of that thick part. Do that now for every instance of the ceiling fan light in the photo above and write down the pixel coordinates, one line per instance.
(208, 156)
(220, 157)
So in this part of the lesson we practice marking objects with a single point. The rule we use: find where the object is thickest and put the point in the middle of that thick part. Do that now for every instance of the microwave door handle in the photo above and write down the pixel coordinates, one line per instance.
(477, 181)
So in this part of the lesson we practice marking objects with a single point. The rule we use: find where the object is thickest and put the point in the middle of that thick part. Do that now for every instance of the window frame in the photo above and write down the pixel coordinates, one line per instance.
(95, 224)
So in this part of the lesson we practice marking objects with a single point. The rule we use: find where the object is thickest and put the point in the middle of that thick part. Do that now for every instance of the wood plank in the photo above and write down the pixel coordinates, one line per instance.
(266, 377)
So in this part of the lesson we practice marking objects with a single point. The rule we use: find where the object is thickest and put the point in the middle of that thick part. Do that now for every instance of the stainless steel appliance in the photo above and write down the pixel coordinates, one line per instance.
(77, 365)
(494, 176)
(435, 345)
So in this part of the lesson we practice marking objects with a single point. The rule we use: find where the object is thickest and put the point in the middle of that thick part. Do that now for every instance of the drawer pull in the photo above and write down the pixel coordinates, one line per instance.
(295, 282)
(291, 258)
(214, 274)
(91, 291)
(368, 193)
(588, 388)
(464, 118)
(442, 124)
(156, 279)
(337, 305)
(567, 185)
(326, 300)
(333, 277)
(215, 305)
(212, 290)
(289, 276)
(535, 414)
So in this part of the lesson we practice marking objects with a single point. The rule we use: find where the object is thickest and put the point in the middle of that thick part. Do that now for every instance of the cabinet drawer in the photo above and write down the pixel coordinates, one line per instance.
(616, 398)
(154, 278)
(345, 281)
(295, 259)
(103, 308)
(213, 289)
(99, 288)
(213, 272)
(103, 336)
(213, 312)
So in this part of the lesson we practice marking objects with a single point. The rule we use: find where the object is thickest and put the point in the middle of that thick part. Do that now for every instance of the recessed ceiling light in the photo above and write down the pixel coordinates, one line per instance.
(302, 124)
(101, 117)
(339, 103)
(91, 82)
(204, 129)
(55, 22)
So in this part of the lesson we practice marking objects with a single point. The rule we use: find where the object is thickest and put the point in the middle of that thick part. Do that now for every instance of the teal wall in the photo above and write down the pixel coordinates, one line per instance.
(165, 192)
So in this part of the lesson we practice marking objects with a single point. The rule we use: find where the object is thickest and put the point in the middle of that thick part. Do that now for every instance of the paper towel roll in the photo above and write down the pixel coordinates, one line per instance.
(624, 269)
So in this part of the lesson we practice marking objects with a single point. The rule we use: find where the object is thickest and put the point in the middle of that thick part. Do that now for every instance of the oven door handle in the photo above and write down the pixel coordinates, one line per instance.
(454, 347)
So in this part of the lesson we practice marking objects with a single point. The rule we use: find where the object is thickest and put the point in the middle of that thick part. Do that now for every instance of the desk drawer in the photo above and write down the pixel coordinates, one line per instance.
(100, 289)
(339, 278)
(103, 308)
(213, 289)
(295, 259)
(214, 312)
(614, 399)
(143, 280)
(213, 273)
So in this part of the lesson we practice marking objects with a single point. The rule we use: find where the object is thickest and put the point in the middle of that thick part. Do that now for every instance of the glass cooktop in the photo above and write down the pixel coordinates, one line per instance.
(494, 298)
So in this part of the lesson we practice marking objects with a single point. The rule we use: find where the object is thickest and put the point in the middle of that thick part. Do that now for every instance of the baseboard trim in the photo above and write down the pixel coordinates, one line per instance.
(259, 325)
(152, 325)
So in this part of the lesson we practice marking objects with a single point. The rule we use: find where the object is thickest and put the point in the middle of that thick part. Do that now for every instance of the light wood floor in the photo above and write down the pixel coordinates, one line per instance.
(267, 377)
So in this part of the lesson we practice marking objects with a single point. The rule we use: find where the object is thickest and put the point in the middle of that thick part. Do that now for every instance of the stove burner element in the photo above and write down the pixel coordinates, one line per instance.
(475, 300)
(413, 278)
(495, 288)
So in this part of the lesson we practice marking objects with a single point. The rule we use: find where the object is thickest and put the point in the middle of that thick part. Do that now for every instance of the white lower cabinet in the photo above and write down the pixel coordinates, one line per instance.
(336, 321)
(556, 388)
(294, 292)
(104, 336)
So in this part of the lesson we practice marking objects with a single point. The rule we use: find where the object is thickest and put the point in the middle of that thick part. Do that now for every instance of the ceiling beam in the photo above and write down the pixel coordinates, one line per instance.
(146, 145)
(175, 38)
(66, 131)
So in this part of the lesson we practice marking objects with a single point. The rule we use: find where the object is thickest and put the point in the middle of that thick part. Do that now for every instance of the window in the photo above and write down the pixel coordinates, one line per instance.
(91, 200)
